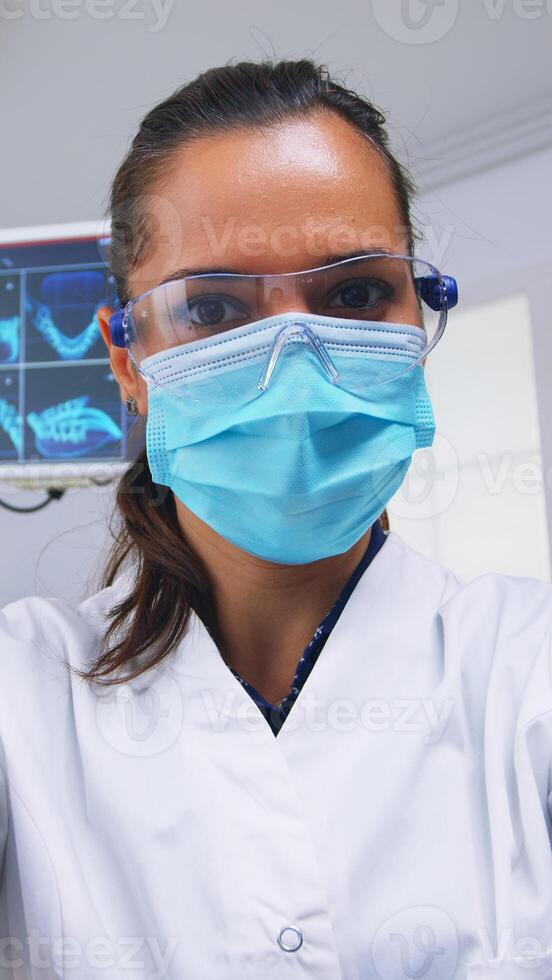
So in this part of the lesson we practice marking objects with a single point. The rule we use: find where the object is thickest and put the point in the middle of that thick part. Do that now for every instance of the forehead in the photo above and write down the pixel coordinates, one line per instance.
(269, 201)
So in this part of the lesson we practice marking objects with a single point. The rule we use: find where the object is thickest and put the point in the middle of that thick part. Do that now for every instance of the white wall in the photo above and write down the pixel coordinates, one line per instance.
(475, 501)
(57, 551)
(75, 85)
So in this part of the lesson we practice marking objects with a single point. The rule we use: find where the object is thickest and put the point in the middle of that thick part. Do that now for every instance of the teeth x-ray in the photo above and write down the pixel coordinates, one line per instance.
(11, 429)
(58, 398)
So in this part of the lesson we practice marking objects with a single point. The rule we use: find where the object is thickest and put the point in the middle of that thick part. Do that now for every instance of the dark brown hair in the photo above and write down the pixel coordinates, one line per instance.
(169, 580)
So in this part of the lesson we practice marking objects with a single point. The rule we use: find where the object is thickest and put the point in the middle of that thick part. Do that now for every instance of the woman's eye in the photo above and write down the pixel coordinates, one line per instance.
(360, 294)
(214, 311)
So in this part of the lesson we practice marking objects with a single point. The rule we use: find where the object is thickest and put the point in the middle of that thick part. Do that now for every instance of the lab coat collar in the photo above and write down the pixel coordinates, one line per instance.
(219, 694)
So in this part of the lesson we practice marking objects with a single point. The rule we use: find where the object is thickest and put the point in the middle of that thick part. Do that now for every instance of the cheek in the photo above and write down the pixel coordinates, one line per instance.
(143, 394)
(139, 391)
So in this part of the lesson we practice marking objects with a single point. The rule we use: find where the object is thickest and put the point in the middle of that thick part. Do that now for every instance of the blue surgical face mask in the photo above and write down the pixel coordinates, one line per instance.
(300, 470)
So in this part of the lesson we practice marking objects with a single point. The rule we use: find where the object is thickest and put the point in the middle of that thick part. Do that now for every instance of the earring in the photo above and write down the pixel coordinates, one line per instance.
(131, 404)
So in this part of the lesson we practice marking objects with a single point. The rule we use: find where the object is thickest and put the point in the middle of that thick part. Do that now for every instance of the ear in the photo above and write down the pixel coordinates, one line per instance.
(130, 382)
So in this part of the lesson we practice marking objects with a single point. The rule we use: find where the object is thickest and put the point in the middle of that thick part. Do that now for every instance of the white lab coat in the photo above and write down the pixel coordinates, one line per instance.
(397, 826)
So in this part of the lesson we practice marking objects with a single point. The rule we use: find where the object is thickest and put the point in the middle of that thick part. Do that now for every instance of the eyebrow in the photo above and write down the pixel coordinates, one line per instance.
(327, 260)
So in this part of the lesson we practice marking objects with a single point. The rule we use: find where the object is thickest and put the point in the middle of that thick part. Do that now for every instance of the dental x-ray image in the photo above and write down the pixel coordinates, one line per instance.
(61, 321)
(58, 398)
(10, 321)
(72, 413)
(11, 435)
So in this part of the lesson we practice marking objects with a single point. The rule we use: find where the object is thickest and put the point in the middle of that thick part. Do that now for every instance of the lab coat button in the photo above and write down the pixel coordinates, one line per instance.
(290, 939)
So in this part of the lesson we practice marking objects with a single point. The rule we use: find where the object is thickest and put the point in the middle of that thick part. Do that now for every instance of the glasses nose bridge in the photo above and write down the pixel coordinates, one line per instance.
(306, 332)
(283, 295)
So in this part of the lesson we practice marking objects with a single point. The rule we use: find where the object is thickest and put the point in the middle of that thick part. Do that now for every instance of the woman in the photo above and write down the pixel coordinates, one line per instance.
(279, 743)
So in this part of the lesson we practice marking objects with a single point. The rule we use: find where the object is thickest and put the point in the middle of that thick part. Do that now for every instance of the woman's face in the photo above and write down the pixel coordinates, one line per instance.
(290, 198)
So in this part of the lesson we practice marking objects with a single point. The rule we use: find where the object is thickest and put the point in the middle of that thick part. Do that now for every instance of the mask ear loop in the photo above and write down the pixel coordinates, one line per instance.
(312, 338)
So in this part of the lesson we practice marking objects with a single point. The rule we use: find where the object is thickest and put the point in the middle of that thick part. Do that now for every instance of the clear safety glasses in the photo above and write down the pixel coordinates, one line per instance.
(375, 289)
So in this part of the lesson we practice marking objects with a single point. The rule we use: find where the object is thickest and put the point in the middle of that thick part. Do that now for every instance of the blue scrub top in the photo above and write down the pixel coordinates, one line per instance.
(276, 714)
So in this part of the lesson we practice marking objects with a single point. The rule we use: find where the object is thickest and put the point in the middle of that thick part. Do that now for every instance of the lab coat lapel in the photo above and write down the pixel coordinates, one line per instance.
(223, 697)
(333, 676)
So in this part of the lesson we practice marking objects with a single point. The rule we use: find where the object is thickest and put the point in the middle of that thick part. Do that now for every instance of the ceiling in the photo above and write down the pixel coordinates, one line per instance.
(467, 89)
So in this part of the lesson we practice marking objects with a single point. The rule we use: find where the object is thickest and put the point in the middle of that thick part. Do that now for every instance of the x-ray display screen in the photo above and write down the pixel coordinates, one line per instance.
(58, 398)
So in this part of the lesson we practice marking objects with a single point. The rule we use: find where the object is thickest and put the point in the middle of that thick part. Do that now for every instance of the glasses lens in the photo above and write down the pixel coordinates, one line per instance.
(378, 289)
(191, 309)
